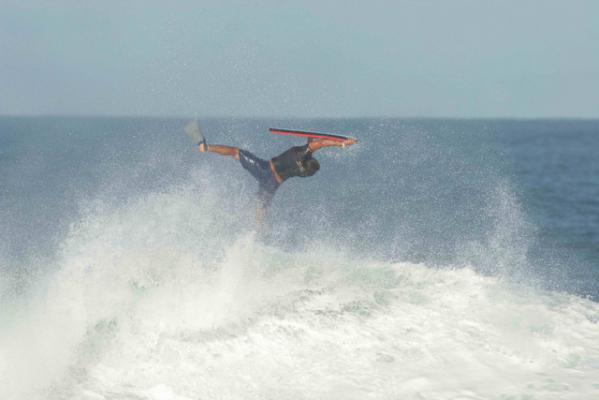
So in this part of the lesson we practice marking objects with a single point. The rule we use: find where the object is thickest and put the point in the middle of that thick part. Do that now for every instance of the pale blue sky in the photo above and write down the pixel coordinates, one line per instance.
(444, 58)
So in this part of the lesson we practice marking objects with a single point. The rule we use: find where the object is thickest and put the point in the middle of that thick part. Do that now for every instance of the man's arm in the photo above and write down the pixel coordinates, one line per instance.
(316, 144)
(260, 214)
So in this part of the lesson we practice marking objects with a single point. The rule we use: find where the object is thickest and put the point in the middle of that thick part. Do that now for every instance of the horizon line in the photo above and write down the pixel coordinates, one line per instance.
(287, 117)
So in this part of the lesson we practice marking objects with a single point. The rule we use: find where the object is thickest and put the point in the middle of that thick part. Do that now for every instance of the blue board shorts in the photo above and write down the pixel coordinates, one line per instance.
(260, 169)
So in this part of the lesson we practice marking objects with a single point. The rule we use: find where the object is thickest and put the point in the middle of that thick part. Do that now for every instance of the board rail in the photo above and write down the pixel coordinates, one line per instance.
(316, 135)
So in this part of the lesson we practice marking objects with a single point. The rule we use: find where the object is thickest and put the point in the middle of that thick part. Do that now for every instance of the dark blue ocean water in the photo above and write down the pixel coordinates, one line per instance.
(435, 259)
(504, 196)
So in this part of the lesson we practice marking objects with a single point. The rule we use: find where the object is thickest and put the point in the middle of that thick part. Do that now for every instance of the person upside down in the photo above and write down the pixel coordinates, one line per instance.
(270, 174)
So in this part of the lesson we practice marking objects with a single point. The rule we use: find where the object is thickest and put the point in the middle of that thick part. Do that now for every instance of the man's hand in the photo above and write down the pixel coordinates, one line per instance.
(349, 142)
(316, 144)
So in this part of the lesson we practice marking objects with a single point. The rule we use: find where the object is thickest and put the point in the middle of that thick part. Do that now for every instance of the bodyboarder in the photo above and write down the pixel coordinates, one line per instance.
(270, 174)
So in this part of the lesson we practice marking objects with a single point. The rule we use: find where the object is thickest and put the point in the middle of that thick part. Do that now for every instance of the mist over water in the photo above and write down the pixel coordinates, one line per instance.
(417, 264)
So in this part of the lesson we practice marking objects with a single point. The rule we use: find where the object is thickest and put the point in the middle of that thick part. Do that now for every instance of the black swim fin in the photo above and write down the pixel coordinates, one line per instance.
(194, 132)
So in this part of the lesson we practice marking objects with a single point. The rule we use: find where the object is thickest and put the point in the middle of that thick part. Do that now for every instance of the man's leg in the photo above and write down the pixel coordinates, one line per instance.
(220, 149)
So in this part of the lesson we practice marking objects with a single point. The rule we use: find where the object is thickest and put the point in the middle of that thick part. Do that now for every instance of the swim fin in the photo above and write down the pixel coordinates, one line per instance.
(194, 132)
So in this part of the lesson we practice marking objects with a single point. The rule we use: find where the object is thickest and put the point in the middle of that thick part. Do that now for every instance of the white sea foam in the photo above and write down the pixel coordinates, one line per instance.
(160, 299)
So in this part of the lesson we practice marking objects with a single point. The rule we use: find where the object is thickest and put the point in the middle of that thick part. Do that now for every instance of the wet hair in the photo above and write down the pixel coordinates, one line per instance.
(311, 166)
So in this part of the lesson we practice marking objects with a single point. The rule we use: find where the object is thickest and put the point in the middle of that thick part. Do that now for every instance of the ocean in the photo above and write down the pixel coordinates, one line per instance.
(436, 259)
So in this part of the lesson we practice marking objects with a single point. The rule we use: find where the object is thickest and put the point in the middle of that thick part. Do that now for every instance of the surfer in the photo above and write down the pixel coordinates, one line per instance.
(270, 174)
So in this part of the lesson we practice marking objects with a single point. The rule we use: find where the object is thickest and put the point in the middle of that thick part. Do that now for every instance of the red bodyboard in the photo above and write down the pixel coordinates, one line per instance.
(316, 135)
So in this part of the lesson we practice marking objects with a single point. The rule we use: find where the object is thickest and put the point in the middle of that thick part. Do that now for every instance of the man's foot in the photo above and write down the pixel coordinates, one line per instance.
(203, 146)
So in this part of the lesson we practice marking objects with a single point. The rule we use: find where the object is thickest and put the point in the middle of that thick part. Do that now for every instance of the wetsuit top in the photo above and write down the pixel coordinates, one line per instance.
(291, 162)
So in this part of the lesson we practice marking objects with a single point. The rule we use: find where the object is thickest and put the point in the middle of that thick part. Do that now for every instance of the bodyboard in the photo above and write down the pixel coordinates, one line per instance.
(316, 135)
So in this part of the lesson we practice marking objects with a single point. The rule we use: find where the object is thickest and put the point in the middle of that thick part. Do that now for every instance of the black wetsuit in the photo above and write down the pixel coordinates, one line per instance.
(288, 164)
(291, 162)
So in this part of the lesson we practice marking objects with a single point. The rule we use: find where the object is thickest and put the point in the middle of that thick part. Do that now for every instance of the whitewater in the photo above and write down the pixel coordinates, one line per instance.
(158, 285)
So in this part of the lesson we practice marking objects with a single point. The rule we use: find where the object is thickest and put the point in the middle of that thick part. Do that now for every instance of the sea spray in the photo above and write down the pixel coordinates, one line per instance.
(358, 286)
(137, 310)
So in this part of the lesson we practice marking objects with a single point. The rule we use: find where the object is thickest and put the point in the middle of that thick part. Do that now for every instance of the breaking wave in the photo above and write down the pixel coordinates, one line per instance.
(164, 296)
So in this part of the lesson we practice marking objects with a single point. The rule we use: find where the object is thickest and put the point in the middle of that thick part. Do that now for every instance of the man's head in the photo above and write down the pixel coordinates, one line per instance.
(310, 166)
